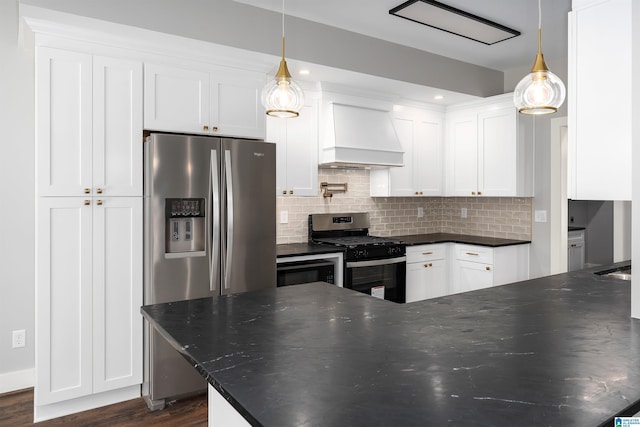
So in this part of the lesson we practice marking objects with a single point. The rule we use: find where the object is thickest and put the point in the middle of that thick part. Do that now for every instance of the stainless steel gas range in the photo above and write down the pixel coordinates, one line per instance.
(373, 265)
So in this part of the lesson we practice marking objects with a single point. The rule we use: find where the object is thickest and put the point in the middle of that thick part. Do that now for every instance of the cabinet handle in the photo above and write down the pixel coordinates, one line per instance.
(473, 193)
(479, 193)
(99, 202)
(427, 253)
(205, 127)
(472, 254)
(87, 191)
(290, 191)
(573, 245)
(421, 193)
(99, 190)
(87, 202)
(416, 193)
(215, 129)
(426, 265)
(487, 268)
(284, 191)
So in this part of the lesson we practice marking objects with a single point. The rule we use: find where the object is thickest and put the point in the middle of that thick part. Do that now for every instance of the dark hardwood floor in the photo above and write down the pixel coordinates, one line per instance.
(16, 410)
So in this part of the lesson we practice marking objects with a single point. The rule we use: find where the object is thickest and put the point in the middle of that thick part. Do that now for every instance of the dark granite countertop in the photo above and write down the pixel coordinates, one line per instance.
(297, 249)
(423, 239)
(555, 351)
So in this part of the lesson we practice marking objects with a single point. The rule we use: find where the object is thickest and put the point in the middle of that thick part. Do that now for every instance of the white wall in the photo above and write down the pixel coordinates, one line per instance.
(17, 201)
(635, 141)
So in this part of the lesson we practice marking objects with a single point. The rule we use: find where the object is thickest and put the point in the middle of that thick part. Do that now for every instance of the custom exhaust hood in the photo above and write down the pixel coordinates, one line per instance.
(358, 137)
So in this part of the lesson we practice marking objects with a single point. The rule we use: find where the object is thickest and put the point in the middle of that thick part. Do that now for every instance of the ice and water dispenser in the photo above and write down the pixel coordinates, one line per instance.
(185, 225)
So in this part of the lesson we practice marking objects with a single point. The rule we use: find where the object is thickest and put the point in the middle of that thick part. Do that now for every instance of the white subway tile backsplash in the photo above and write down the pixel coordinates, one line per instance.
(505, 217)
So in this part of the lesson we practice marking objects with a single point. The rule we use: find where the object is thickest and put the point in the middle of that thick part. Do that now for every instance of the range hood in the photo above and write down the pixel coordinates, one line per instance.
(355, 136)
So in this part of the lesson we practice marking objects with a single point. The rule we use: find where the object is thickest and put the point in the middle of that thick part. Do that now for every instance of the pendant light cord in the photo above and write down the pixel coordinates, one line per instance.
(539, 26)
(283, 29)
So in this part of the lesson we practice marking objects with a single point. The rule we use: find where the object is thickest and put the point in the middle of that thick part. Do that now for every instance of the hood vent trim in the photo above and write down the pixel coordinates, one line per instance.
(360, 137)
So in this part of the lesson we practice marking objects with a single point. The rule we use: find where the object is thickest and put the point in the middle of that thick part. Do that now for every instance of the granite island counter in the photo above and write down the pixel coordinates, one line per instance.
(554, 351)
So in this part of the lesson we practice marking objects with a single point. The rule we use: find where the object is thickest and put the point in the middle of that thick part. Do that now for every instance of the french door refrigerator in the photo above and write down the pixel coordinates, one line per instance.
(209, 230)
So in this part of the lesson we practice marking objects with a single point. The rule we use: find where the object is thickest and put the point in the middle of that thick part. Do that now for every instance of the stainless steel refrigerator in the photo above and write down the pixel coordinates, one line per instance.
(209, 231)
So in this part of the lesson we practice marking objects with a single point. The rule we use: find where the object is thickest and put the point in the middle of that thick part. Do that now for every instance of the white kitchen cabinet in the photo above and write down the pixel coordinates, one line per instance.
(489, 150)
(477, 267)
(88, 296)
(296, 151)
(599, 120)
(576, 250)
(208, 100)
(89, 124)
(421, 134)
(427, 272)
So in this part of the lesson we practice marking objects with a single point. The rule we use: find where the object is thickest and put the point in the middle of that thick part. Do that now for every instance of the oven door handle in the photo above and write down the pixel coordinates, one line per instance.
(376, 262)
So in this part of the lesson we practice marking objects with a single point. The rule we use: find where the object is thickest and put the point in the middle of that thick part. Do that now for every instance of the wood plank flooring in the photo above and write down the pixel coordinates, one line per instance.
(16, 410)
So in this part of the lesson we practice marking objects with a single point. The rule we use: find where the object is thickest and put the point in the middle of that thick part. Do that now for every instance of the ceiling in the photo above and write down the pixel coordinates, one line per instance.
(372, 18)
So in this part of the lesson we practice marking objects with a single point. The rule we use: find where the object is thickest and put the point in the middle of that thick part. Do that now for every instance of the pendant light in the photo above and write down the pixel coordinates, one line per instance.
(541, 91)
(282, 97)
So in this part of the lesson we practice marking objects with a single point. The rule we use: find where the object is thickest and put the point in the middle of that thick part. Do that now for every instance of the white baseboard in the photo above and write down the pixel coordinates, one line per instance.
(18, 380)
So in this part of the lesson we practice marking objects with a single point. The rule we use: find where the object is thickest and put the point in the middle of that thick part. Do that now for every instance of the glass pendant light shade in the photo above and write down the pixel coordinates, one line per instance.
(282, 97)
(540, 91)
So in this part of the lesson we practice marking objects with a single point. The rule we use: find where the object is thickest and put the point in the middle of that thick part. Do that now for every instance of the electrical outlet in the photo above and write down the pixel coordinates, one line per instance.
(284, 217)
(463, 213)
(420, 212)
(18, 339)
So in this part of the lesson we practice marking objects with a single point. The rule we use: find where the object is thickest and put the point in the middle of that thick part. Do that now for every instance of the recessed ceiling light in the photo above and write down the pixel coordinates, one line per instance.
(304, 72)
(438, 97)
(455, 21)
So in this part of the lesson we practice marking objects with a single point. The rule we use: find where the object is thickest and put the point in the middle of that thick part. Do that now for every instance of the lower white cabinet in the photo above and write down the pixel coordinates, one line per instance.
(88, 298)
(426, 272)
(441, 269)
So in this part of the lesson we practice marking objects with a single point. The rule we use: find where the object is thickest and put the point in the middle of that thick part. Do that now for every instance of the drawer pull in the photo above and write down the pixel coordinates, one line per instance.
(87, 202)
(472, 254)
(487, 268)
(427, 253)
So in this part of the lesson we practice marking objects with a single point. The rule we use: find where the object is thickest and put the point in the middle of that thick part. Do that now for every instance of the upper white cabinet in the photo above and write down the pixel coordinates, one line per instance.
(89, 124)
(489, 150)
(296, 151)
(421, 134)
(599, 121)
(215, 101)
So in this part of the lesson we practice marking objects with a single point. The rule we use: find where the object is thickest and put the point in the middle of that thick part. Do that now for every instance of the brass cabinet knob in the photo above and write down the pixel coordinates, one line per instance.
(473, 193)
(290, 191)
(205, 127)
(99, 202)
(87, 191)
(99, 190)
(416, 193)
(421, 193)
(487, 268)
(284, 191)
(426, 265)
(87, 202)
(215, 129)
(479, 193)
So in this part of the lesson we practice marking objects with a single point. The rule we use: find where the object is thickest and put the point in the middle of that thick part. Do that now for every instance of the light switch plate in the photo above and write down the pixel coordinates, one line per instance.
(540, 216)
(420, 212)
(463, 213)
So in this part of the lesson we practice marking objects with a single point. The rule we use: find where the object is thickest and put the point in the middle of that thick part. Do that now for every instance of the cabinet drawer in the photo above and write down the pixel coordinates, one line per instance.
(474, 253)
(425, 252)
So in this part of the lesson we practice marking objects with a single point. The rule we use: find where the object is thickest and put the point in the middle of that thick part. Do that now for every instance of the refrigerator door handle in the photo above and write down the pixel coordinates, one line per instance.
(214, 258)
(229, 249)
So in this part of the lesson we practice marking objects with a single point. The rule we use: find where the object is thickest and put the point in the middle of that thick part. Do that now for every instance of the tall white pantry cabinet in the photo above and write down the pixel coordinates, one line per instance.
(89, 231)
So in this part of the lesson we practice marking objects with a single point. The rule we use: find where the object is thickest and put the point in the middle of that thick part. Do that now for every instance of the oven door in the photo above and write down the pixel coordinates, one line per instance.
(382, 278)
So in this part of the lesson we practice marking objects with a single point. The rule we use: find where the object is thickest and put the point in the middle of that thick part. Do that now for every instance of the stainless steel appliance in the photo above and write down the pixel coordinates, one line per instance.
(209, 230)
(299, 272)
(373, 265)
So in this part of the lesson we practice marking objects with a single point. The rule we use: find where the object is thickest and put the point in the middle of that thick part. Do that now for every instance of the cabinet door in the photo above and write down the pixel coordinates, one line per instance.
(302, 152)
(576, 256)
(497, 150)
(426, 280)
(117, 127)
(176, 100)
(427, 156)
(463, 155)
(117, 293)
(63, 117)
(599, 121)
(236, 109)
(470, 276)
(63, 299)
(401, 179)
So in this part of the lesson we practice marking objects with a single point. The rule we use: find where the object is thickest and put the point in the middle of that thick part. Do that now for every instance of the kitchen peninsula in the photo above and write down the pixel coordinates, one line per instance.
(555, 351)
